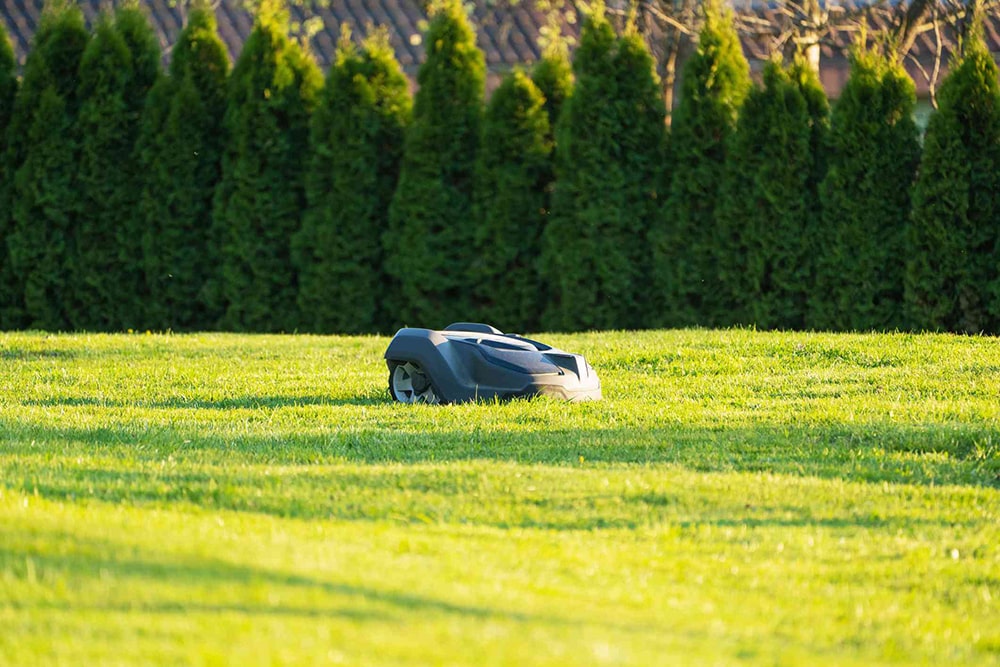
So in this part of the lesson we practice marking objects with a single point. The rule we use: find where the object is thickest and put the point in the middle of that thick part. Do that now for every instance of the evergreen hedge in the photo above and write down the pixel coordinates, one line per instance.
(952, 242)
(41, 199)
(768, 204)
(429, 246)
(553, 75)
(818, 109)
(119, 186)
(108, 289)
(356, 148)
(608, 173)
(865, 198)
(641, 141)
(272, 92)
(132, 23)
(8, 90)
(180, 150)
(514, 168)
(715, 82)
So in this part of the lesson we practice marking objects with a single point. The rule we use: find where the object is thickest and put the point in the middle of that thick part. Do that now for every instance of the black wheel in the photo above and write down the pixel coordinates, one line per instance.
(409, 384)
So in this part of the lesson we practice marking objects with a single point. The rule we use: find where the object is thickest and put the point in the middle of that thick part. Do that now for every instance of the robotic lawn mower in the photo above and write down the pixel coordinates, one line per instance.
(469, 362)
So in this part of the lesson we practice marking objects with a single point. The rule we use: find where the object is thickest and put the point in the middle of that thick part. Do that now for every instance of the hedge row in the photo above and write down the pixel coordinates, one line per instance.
(265, 199)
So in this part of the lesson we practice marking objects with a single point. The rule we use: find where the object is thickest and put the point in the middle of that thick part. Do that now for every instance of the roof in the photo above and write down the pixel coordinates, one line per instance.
(508, 31)
(508, 35)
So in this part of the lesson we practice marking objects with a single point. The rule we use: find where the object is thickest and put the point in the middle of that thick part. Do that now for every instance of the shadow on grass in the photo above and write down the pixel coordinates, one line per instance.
(217, 585)
(560, 482)
(17, 354)
(932, 454)
(506, 500)
(231, 403)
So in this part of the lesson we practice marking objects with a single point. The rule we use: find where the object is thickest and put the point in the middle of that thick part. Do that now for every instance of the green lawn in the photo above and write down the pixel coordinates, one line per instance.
(738, 497)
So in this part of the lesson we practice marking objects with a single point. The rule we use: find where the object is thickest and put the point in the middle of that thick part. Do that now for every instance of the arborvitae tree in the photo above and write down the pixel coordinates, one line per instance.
(272, 92)
(608, 170)
(952, 242)
(818, 108)
(513, 169)
(41, 159)
(866, 199)
(107, 264)
(716, 81)
(41, 245)
(553, 75)
(180, 150)
(132, 23)
(356, 148)
(586, 185)
(767, 206)
(8, 89)
(429, 246)
(641, 141)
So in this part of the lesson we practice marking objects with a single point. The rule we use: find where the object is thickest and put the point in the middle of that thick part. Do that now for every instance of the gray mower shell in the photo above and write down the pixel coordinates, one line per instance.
(468, 362)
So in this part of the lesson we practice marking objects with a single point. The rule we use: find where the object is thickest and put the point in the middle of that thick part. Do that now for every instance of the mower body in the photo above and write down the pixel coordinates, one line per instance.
(469, 362)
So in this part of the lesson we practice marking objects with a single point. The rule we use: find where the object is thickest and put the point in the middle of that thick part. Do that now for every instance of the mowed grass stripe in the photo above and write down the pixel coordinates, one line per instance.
(763, 498)
(507, 495)
(701, 592)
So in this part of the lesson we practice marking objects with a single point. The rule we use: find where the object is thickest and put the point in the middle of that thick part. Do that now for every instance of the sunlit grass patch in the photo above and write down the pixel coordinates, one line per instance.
(764, 498)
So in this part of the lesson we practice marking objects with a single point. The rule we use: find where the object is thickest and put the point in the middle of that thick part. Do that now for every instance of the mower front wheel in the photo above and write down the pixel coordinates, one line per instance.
(408, 383)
